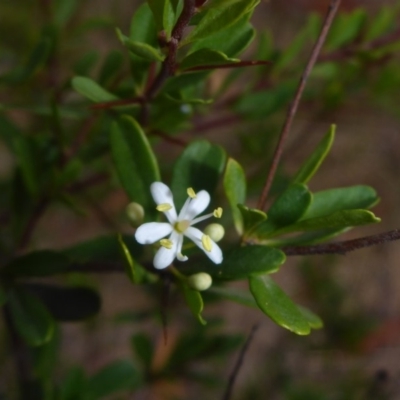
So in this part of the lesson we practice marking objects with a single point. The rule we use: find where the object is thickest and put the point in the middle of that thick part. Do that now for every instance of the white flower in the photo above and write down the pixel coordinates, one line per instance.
(178, 226)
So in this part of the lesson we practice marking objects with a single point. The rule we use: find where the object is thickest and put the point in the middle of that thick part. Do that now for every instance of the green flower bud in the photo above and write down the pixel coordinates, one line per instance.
(200, 281)
(215, 231)
(135, 214)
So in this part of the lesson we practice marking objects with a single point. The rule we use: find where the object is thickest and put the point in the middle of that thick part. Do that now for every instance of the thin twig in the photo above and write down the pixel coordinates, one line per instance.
(333, 7)
(239, 363)
(344, 246)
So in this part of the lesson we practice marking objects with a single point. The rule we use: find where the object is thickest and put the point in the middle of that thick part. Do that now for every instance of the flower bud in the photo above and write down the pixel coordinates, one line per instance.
(200, 281)
(135, 213)
(215, 231)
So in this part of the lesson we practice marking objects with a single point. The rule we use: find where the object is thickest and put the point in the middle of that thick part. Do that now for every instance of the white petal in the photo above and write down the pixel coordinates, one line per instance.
(179, 254)
(215, 255)
(152, 231)
(162, 194)
(164, 256)
(196, 206)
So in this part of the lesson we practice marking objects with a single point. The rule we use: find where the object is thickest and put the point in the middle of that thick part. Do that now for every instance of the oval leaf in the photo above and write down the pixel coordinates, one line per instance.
(235, 190)
(194, 301)
(31, 319)
(91, 90)
(206, 57)
(273, 301)
(311, 165)
(199, 167)
(135, 162)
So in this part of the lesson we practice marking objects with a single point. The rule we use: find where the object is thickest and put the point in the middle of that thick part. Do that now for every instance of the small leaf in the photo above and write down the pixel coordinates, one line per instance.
(194, 301)
(235, 190)
(111, 66)
(233, 294)
(119, 376)
(184, 81)
(67, 303)
(36, 264)
(199, 167)
(135, 162)
(273, 301)
(63, 11)
(143, 348)
(206, 57)
(31, 319)
(240, 262)
(73, 385)
(380, 23)
(218, 18)
(140, 49)
(332, 200)
(251, 217)
(313, 320)
(290, 206)
(134, 271)
(311, 165)
(337, 220)
(91, 90)
(164, 12)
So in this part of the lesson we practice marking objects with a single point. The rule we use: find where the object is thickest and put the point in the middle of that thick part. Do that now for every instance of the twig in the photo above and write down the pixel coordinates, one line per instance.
(239, 363)
(239, 64)
(333, 7)
(344, 246)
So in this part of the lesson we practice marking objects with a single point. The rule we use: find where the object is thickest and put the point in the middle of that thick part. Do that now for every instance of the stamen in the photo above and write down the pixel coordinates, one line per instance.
(163, 207)
(191, 193)
(218, 212)
(181, 226)
(166, 243)
(206, 241)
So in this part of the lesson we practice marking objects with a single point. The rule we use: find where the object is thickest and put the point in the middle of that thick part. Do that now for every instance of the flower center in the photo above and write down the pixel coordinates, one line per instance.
(181, 226)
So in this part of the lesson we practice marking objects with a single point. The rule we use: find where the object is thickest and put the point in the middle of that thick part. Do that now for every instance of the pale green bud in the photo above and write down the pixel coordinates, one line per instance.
(200, 281)
(215, 231)
(135, 214)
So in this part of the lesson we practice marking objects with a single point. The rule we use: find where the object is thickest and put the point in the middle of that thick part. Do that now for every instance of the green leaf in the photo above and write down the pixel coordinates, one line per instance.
(251, 217)
(140, 49)
(345, 29)
(36, 264)
(235, 190)
(184, 81)
(234, 294)
(73, 386)
(26, 153)
(337, 220)
(133, 270)
(67, 303)
(380, 23)
(290, 206)
(240, 262)
(142, 27)
(91, 90)
(206, 57)
(164, 12)
(111, 66)
(8, 131)
(135, 162)
(231, 40)
(219, 17)
(347, 198)
(194, 301)
(311, 165)
(30, 317)
(63, 11)
(199, 167)
(273, 301)
(143, 348)
(313, 320)
(119, 376)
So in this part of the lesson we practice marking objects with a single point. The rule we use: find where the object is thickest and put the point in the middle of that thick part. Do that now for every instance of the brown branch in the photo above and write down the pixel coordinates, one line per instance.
(343, 247)
(168, 138)
(239, 363)
(333, 7)
(239, 64)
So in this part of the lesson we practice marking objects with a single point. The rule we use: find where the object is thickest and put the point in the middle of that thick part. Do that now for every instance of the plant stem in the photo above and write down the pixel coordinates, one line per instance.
(333, 7)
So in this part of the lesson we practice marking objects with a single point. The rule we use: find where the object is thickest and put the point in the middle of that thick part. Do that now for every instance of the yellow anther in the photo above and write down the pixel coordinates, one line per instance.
(166, 243)
(218, 212)
(191, 193)
(207, 243)
(163, 207)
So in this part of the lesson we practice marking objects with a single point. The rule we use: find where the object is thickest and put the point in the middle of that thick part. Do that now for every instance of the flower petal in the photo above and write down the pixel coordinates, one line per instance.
(162, 195)
(164, 256)
(152, 231)
(179, 254)
(195, 235)
(196, 206)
